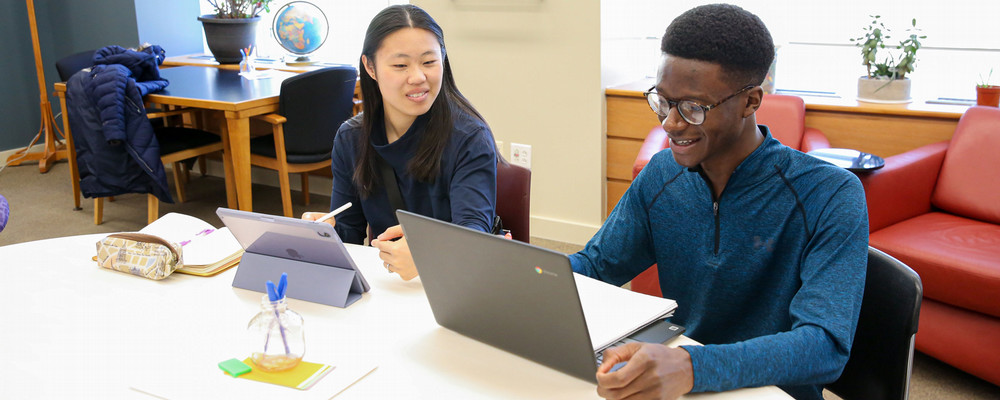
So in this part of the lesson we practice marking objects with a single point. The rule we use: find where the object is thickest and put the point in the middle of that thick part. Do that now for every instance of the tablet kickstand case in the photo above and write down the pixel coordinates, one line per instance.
(319, 267)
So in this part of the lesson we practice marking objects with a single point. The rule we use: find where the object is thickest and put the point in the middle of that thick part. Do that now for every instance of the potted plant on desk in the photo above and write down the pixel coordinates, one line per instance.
(886, 81)
(987, 94)
(232, 27)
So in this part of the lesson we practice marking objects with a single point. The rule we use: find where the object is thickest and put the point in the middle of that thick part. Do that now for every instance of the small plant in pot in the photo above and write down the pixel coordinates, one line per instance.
(886, 80)
(987, 94)
(232, 27)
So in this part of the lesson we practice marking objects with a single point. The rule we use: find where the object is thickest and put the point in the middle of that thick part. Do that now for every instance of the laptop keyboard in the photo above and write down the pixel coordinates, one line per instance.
(599, 355)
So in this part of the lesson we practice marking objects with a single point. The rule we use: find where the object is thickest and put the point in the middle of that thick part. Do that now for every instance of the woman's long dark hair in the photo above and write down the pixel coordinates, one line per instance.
(426, 163)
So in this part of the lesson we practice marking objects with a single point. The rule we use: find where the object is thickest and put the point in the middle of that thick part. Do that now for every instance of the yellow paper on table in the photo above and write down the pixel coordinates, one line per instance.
(301, 377)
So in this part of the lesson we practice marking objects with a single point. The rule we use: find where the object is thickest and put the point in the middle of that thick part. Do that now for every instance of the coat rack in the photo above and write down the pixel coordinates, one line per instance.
(55, 149)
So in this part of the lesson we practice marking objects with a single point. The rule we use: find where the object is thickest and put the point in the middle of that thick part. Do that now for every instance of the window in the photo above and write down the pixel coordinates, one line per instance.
(815, 53)
(348, 22)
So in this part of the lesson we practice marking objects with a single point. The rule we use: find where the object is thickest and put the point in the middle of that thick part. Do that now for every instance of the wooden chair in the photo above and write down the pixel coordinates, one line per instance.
(66, 67)
(311, 108)
(172, 144)
(177, 144)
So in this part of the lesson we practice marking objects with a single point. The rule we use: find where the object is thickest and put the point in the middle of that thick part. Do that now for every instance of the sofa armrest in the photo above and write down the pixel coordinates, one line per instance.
(656, 140)
(813, 139)
(902, 189)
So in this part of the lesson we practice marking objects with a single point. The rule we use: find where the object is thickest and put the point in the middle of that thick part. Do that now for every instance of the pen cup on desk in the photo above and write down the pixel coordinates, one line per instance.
(276, 336)
(246, 64)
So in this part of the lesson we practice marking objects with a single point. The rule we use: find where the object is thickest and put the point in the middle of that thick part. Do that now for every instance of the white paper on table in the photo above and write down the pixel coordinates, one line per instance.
(208, 382)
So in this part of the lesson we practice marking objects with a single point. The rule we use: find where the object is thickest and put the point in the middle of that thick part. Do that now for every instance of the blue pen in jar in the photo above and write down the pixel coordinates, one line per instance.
(276, 332)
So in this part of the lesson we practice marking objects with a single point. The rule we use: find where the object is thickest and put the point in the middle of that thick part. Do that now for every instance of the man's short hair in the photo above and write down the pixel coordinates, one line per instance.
(726, 35)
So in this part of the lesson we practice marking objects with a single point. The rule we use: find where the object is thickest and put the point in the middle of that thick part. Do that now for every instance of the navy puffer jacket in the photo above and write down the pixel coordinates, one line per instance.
(116, 148)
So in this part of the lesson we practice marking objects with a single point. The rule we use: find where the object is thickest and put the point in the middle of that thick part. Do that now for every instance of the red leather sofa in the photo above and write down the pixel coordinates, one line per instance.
(784, 115)
(937, 209)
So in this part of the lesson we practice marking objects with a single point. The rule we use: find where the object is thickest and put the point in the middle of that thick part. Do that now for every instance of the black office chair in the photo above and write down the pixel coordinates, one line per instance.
(311, 108)
(882, 354)
(514, 199)
(73, 63)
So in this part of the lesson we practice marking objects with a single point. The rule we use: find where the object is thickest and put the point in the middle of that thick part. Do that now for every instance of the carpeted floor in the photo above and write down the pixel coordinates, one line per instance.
(42, 207)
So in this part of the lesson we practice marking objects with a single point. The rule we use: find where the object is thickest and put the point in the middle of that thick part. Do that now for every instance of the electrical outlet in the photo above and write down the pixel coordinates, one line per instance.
(499, 146)
(520, 154)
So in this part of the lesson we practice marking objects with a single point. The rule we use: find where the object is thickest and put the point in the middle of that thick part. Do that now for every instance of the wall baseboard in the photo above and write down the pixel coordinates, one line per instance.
(563, 231)
(543, 227)
(40, 147)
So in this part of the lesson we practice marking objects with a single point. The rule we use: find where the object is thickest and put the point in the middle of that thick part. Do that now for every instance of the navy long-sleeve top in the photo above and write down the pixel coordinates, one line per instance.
(769, 276)
(464, 191)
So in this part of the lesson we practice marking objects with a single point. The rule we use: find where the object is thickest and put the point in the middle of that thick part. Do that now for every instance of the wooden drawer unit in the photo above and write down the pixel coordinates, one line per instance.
(629, 120)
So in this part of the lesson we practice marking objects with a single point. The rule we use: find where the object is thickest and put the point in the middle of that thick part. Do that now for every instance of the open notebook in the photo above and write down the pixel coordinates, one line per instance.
(206, 250)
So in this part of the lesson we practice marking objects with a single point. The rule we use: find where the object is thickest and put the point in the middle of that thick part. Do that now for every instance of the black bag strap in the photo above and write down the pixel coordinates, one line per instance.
(396, 199)
(391, 186)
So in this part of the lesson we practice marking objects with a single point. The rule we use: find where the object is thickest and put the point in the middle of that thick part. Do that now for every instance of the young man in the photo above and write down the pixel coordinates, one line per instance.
(763, 247)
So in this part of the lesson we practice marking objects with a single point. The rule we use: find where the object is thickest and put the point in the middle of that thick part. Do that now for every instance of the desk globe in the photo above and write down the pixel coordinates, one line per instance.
(300, 28)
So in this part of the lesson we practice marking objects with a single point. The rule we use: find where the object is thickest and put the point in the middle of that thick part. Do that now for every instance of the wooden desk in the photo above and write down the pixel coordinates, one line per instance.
(73, 330)
(238, 99)
(219, 90)
(880, 129)
(204, 60)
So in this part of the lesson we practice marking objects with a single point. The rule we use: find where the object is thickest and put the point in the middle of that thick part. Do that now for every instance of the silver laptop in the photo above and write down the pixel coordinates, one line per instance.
(508, 294)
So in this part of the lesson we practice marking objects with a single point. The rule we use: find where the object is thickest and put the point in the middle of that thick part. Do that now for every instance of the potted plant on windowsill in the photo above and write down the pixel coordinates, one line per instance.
(886, 81)
(232, 27)
(987, 94)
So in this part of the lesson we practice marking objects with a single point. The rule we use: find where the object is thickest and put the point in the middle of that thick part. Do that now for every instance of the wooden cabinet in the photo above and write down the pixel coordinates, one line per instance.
(881, 129)
(629, 120)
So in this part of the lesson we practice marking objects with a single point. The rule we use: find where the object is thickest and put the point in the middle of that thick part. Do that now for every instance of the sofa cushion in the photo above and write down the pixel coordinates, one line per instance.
(958, 259)
(969, 184)
(965, 339)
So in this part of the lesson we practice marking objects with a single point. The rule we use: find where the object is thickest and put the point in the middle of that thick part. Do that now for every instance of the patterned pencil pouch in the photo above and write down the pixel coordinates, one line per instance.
(140, 254)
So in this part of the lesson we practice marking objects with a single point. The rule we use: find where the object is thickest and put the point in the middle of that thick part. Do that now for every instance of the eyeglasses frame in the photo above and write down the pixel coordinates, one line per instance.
(673, 103)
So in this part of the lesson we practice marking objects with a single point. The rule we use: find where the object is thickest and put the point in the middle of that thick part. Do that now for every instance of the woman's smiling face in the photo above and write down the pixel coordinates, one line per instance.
(408, 67)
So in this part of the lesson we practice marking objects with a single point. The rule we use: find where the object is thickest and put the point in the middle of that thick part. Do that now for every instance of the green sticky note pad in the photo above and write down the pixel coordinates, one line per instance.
(234, 367)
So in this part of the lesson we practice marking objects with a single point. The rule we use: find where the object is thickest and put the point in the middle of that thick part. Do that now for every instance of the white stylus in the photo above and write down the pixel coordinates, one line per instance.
(331, 214)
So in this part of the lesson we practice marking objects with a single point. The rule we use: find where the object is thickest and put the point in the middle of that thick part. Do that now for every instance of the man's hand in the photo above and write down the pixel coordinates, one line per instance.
(395, 253)
(653, 371)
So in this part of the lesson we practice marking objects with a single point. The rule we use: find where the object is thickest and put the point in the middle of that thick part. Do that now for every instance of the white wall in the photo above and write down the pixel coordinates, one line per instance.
(533, 69)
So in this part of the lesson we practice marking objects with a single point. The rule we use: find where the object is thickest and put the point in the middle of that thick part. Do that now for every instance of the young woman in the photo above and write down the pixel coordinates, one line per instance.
(437, 146)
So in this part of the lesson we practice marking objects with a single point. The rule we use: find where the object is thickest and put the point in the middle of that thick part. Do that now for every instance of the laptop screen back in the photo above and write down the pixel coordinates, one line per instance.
(511, 295)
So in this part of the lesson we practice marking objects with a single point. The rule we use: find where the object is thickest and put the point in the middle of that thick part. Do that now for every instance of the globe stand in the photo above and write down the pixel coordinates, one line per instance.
(300, 61)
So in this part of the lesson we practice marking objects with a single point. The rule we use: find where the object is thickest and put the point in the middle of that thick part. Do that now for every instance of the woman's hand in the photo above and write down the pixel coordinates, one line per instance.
(395, 253)
(312, 216)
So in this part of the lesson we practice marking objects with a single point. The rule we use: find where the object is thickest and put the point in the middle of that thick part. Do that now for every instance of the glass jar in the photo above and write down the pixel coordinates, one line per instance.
(277, 336)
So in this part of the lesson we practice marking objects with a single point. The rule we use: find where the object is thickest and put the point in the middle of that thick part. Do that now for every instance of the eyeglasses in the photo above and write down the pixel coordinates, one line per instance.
(692, 112)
